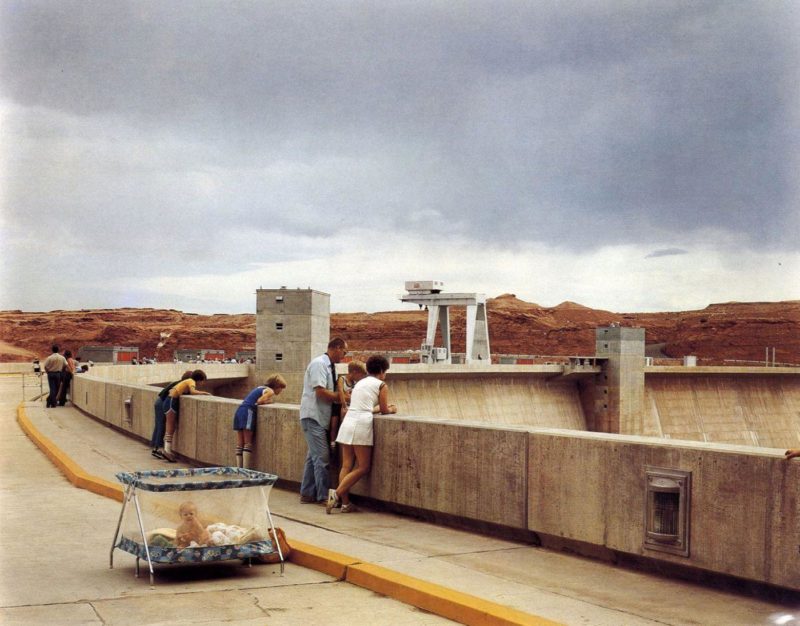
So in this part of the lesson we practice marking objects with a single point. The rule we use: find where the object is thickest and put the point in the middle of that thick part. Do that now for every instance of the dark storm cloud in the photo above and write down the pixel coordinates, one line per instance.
(666, 252)
(574, 124)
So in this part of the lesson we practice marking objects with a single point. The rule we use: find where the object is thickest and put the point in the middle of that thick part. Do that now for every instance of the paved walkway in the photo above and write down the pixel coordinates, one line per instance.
(56, 538)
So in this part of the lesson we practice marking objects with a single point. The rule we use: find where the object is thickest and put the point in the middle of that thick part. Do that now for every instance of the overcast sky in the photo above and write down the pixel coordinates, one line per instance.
(626, 155)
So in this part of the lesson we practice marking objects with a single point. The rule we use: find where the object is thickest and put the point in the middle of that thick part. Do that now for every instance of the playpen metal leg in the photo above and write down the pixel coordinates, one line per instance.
(144, 537)
(272, 527)
(119, 525)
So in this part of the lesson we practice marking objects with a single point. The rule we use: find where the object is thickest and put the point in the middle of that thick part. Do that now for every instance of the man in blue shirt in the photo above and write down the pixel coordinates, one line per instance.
(319, 393)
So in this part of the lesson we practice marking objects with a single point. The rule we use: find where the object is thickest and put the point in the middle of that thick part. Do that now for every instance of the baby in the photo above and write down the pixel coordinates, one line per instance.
(190, 531)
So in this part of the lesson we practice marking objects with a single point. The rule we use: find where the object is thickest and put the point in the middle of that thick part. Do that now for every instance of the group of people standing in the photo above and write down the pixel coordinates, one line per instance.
(60, 368)
(359, 395)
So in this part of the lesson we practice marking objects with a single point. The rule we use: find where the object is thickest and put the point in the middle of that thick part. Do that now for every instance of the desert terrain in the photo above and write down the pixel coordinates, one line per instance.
(729, 332)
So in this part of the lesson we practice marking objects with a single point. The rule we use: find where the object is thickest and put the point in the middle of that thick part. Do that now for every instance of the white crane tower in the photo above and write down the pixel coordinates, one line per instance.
(428, 293)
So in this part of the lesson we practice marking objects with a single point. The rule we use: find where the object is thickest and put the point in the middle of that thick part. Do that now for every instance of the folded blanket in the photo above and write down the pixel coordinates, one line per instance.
(161, 537)
(231, 534)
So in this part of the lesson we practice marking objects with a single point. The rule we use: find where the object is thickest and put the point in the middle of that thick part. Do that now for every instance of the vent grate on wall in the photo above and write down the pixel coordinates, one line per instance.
(667, 510)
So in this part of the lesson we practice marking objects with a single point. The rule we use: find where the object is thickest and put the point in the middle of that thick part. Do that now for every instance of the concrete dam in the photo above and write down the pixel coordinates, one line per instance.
(604, 455)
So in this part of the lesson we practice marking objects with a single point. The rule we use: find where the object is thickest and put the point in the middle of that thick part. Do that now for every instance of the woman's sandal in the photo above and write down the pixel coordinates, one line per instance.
(333, 500)
(349, 508)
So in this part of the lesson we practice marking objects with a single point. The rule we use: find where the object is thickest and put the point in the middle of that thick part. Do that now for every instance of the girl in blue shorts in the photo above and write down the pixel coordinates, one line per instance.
(244, 420)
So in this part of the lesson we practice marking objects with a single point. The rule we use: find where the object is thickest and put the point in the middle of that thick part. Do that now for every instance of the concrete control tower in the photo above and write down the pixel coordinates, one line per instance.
(428, 293)
(292, 327)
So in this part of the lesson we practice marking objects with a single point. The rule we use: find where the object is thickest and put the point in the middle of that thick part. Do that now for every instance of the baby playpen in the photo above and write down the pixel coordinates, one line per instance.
(196, 516)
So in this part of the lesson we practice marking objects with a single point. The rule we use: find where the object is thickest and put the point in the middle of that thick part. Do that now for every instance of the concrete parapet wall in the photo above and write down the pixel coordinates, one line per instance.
(744, 503)
(205, 429)
(580, 487)
(163, 372)
(18, 368)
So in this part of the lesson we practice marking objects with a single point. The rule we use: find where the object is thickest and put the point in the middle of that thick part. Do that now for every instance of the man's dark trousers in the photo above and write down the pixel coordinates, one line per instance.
(53, 381)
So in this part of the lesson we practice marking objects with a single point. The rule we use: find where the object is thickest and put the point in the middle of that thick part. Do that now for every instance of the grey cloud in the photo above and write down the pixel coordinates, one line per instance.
(666, 252)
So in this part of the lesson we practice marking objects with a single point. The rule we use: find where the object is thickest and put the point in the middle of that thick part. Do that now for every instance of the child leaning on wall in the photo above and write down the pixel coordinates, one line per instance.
(160, 418)
(244, 420)
(356, 370)
(172, 407)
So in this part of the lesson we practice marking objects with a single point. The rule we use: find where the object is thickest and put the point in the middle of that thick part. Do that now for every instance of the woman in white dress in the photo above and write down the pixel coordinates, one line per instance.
(355, 431)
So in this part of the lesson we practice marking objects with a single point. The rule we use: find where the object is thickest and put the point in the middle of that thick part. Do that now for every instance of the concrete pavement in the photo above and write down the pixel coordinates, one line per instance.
(56, 538)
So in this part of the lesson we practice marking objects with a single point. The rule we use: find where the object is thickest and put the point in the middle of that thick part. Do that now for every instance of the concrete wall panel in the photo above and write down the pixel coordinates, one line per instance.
(782, 541)
(186, 434)
(720, 506)
(281, 445)
(205, 430)
(142, 415)
(89, 394)
(116, 411)
(562, 472)
(467, 471)
(225, 436)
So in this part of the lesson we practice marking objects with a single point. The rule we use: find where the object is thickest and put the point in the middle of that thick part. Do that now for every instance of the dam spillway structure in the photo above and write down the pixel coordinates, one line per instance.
(428, 293)
(613, 391)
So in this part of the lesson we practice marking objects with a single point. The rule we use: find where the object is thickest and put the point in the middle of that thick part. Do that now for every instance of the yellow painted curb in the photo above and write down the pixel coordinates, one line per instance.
(448, 603)
(326, 561)
(436, 599)
(73, 472)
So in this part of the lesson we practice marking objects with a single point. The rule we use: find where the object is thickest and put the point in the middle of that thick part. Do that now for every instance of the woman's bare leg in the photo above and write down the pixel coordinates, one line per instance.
(348, 460)
(363, 463)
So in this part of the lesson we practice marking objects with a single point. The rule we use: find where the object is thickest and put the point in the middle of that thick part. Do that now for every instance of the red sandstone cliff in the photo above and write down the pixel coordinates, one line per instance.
(734, 331)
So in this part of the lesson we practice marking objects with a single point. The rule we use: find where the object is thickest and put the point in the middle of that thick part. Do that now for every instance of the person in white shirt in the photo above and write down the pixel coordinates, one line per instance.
(355, 433)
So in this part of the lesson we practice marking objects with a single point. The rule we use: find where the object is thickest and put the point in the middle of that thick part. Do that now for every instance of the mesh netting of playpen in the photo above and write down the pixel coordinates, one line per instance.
(196, 515)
